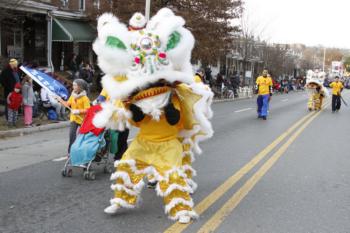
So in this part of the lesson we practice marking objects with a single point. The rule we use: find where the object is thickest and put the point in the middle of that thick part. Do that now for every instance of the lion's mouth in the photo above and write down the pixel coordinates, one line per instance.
(150, 90)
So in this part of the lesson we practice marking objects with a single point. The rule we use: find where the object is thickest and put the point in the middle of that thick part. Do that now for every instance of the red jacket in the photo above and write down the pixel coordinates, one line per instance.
(14, 100)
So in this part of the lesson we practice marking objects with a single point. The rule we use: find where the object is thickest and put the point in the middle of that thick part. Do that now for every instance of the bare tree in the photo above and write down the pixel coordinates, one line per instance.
(209, 21)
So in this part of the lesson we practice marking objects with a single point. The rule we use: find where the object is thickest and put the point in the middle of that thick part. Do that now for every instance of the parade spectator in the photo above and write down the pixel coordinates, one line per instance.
(28, 101)
(234, 79)
(73, 65)
(79, 104)
(219, 82)
(337, 88)
(86, 73)
(49, 101)
(8, 79)
(209, 77)
(14, 102)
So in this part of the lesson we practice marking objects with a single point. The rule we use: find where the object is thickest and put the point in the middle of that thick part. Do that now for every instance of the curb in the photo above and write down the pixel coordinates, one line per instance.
(24, 131)
(59, 125)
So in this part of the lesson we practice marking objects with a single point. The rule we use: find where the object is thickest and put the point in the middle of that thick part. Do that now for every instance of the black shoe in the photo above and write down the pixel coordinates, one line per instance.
(264, 118)
(151, 185)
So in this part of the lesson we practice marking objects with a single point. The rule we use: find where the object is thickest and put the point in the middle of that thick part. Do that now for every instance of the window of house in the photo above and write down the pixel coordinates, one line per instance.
(97, 4)
(82, 5)
(64, 3)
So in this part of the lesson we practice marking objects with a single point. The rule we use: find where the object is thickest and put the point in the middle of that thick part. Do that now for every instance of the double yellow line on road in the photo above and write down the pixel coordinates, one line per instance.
(227, 208)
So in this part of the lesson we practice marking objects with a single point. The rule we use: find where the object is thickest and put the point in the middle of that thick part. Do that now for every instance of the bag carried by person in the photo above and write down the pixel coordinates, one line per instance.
(52, 115)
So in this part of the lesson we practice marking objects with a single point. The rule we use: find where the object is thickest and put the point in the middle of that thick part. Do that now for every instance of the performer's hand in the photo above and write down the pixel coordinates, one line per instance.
(137, 114)
(172, 115)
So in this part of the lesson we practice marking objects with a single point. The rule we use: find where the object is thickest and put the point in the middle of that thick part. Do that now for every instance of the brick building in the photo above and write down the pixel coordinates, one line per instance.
(48, 32)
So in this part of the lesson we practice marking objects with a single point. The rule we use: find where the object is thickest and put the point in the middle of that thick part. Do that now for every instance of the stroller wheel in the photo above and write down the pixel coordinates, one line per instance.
(92, 176)
(108, 169)
(70, 173)
(64, 173)
(86, 175)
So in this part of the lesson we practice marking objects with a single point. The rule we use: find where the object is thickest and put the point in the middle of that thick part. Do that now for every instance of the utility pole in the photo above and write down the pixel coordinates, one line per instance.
(147, 9)
(324, 58)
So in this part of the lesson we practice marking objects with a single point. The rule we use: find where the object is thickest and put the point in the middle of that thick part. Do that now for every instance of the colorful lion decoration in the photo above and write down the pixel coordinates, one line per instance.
(315, 89)
(150, 84)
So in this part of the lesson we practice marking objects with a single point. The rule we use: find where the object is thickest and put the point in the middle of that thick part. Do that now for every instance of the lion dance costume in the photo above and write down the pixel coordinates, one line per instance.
(317, 92)
(150, 84)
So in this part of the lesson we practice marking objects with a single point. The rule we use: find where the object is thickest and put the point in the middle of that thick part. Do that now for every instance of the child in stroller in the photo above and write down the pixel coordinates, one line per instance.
(92, 145)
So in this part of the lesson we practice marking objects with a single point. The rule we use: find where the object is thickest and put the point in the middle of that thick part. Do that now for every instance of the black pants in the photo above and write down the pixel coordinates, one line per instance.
(336, 103)
(72, 133)
(122, 143)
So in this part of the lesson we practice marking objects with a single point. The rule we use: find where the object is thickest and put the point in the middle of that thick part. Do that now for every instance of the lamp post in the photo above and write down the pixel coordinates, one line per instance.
(147, 9)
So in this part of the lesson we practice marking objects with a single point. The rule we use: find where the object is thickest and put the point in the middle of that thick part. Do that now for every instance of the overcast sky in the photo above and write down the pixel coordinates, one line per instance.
(311, 22)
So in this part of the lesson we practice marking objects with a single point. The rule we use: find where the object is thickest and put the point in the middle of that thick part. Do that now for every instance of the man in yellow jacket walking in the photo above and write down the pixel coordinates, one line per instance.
(337, 88)
(264, 89)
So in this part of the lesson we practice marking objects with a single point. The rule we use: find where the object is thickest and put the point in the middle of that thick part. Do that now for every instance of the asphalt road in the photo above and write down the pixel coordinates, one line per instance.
(300, 183)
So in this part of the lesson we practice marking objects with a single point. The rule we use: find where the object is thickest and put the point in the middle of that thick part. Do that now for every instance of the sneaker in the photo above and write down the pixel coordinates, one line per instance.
(151, 185)
(184, 219)
(264, 118)
(112, 209)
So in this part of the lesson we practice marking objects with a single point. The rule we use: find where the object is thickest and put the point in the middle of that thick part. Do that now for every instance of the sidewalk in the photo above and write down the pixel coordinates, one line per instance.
(58, 125)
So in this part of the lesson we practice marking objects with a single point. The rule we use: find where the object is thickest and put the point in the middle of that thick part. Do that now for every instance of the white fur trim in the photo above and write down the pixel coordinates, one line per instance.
(153, 105)
(122, 203)
(122, 60)
(129, 162)
(189, 167)
(176, 201)
(189, 153)
(202, 113)
(171, 188)
(191, 214)
(120, 187)
(124, 176)
(164, 23)
(192, 184)
(102, 118)
(105, 119)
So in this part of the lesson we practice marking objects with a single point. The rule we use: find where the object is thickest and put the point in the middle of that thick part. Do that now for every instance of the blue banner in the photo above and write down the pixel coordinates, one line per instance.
(47, 82)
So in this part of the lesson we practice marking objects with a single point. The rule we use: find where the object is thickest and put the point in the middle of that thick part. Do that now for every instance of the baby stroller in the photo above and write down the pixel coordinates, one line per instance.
(92, 146)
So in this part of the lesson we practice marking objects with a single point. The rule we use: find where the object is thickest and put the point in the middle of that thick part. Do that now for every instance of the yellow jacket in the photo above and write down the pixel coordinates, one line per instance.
(159, 131)
(264, 85)
(336, 88)
(81, 103)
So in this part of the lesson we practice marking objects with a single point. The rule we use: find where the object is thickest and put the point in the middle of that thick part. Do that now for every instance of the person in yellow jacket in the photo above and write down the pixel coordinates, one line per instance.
(264, 89)
(79, 103)
(337, 88)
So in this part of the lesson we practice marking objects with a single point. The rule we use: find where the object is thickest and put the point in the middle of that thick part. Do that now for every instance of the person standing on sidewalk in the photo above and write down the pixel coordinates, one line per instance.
(8, 79)
(14, 102)
(264, 90)
(337, 88)
(28, 101)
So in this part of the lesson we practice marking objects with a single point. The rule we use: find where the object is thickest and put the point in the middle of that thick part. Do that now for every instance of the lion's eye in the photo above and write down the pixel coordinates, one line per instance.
(146, 43)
